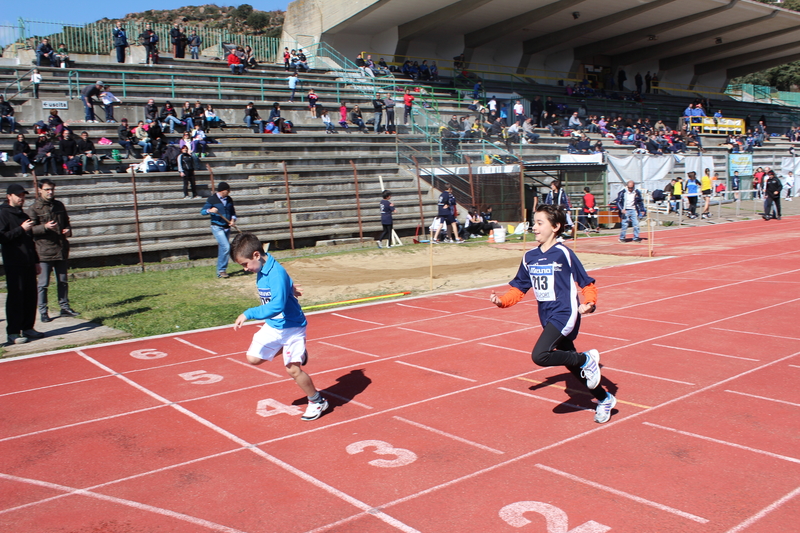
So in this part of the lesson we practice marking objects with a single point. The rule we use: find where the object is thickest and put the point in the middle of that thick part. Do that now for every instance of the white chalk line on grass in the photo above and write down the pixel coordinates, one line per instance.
(436, 371)
(763, 398)
(448, 435)
(708, 353)
(187, 343)
(536, 396)
(726, 443)
(121, 501)
(254, 367)
(274, 460)
(764, 512)
(357, 319)
(624, 494)
(424, 308)
(759, 334)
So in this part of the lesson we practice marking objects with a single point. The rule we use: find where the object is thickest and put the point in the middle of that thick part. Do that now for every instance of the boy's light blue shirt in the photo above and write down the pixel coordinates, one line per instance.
(279, 306)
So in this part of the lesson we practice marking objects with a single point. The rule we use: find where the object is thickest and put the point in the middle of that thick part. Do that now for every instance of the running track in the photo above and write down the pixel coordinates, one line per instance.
(439, 420)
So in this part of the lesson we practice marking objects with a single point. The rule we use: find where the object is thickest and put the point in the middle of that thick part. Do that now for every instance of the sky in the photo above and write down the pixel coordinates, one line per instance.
(60, 11)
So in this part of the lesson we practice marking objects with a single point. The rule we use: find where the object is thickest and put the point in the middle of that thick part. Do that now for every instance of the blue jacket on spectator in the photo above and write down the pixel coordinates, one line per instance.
(226, 210)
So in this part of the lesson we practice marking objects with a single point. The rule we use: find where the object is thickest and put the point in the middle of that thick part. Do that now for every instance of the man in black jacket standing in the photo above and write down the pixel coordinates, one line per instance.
(51, 229)
(21, 264)
(120, 41)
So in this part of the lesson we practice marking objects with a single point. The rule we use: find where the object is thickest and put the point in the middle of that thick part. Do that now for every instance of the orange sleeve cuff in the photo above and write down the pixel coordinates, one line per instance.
(589, 294)
(513, 296)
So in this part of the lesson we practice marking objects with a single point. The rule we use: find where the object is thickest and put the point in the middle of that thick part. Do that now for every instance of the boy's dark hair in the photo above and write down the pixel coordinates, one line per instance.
(587, 189)
(386, 194)
(44, 182)
(245, 245)
(555, 215)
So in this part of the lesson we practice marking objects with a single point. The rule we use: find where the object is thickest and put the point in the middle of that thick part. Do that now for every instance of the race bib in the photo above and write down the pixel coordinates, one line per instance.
(543, 281)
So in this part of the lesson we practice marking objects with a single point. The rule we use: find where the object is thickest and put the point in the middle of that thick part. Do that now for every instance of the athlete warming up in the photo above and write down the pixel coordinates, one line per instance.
(552, 270)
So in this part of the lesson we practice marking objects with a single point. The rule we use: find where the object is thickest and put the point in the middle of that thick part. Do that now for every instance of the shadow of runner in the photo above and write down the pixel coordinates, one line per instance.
(579, 396)
(347, 387)
(102, 319)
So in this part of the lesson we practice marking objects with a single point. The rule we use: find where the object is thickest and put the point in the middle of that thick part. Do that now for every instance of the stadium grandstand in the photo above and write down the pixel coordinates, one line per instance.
(303, 185)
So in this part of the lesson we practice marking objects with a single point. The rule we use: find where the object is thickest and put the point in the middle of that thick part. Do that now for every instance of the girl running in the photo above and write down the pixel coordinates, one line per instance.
(552, 270)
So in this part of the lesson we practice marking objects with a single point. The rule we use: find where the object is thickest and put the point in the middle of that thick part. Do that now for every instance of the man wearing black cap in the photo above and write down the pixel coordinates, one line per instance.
(88, 94)
(21, 265)
(223, 216)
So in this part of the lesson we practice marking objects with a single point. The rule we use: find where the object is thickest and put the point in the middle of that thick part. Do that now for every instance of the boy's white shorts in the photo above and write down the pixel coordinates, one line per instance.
(268, 341)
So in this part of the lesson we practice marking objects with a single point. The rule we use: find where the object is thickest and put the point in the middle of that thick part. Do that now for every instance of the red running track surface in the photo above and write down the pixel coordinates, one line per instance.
(439, 421)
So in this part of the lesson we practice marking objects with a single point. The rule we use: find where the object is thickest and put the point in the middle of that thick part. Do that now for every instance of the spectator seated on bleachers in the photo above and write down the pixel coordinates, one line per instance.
(528, 132)
(45, 50)
(553, 124)
(575, 122)
(363, 68)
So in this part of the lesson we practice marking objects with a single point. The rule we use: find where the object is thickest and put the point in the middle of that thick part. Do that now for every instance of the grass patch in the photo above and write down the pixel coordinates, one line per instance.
(154, 303)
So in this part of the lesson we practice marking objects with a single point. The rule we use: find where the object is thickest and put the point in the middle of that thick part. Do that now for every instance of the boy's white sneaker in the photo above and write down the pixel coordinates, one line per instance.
(591, 369)
(315, 410)
(603, 410)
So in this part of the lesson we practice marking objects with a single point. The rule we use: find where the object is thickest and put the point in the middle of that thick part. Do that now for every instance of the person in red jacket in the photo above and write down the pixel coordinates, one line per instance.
(237, 67)
(408, 100)
(587, 220)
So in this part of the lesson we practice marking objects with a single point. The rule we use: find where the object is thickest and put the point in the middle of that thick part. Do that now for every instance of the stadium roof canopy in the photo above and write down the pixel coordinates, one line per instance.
(687, 42)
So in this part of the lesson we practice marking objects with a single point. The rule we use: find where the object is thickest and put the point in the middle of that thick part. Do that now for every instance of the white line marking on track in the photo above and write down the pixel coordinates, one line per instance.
(261, 453)
(604, 336)
(347, 400)
(128, 503)
(649, 320)
(54, 385)
(709, 353)
(436, 371)
(504, 348)
(180, 363)
(726, 443)
(760, 334)
(357, 319)
(448, 435)
(187, 343)
(429, 333)
(536, 396)
(497, 320)
(764, 512)
(56, 428)
(472, 297)
(624, 494)
(795, 366)
(764, 398)
(425, 308)
(347, 349)
(646, 375)
(254, 367)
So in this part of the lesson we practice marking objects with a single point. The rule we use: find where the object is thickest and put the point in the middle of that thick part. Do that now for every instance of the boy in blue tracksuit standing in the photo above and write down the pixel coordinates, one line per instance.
(284, 328)
(223, 216)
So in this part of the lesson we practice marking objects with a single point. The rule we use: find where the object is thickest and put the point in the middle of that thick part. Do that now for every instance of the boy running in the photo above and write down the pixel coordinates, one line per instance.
(552, 270)
(284, 322)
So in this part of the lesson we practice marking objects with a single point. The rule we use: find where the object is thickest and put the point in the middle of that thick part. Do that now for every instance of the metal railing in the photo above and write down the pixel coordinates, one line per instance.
(17, 81)
(96, 37)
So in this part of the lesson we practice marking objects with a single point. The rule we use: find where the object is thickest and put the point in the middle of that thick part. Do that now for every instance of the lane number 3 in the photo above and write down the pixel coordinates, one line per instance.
(513, 515)
(403, 457)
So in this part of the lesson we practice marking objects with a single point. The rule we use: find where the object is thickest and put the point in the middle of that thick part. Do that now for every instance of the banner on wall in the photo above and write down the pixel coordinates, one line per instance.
(790, 164)
(741, 163)
(649, 172)
(698, 164)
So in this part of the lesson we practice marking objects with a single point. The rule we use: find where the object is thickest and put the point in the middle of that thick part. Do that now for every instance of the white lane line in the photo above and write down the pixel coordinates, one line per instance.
(624, 494)
(448, 435)
(149, 368)
(498, 320)
(358, 319)
(604, 336)
(646, 375)
(795, 366)
(52, 386)
(709, 353)
(429, 333)
(261, 453)
(529, 395)
(254, 367)
(764, 512)
(348, 349)
(345, 399)
(425, 308)
(649, 320)
(528, 352)
(760, 334)
(726, 443)
(763, 398)
(56, 428)
(482, 298)
(436, 371)
(187, 343)
(128, 503)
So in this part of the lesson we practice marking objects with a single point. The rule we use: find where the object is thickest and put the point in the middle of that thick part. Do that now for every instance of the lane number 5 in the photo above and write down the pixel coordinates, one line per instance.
(200, 377)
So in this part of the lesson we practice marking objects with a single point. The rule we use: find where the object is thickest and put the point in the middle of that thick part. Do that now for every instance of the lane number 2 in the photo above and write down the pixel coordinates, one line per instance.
(403, 457)
(513, 515)
(200, 377)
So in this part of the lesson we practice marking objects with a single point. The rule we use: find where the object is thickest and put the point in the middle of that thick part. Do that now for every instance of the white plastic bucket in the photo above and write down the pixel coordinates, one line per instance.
(499, 234)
